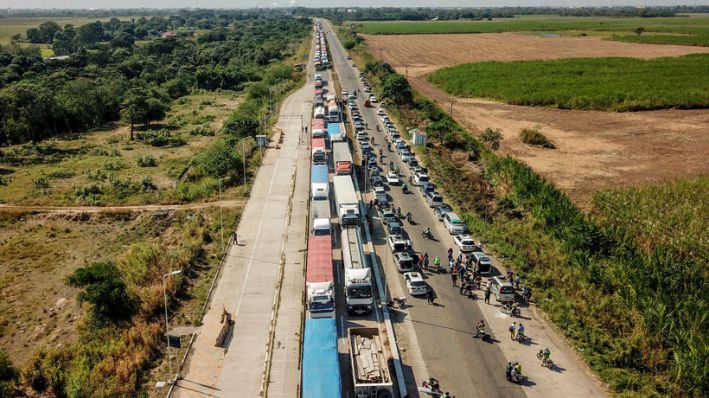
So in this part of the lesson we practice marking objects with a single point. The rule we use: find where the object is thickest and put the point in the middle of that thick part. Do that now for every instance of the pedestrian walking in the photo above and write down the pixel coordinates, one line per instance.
(509, 275)
(236, 241)
(487, 295)
(518, 281)
(513, 330)
(430, 297)
(454, 277)
(425, 260)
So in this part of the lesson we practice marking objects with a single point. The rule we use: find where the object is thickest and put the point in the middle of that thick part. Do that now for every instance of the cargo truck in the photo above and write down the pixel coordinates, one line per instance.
(346, 200)
(335, 132)
(319, 277)
(319, 184)
(342, 158)
(358, 280)
(319, 150)
(320, 375)
(369, 358)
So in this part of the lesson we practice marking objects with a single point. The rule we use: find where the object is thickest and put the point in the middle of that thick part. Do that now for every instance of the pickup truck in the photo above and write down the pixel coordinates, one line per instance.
(397, 244)
(404, 261)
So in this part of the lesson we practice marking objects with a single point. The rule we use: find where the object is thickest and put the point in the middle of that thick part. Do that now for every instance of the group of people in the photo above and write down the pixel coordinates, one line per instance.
(513, 371)
(516, 330)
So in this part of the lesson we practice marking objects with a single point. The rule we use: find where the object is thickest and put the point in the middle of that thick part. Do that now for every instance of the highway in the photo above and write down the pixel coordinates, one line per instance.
(465, 366)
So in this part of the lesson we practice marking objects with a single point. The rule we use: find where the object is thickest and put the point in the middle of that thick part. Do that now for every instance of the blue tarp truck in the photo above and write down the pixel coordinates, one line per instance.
(321, 370)
(335, 132)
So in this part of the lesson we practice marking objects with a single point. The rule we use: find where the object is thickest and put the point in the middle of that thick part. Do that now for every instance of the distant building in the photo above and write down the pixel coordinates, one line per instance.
(58, 58)
(168, 35)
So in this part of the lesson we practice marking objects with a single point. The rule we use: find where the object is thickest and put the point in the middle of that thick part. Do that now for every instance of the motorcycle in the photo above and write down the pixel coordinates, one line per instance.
(480, 333)
(431, 387)
(517, 378)
(510, 309)
(410, 218)
(405, 189)
(520, 336)
(398, 302)
(427, 235)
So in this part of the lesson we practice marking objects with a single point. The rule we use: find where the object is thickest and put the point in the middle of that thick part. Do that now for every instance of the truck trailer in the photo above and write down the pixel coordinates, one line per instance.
(342, 158)
(346, 200)
(369, 358)
(320, 374)
(358, 277)
(319, 183)
(319, 277)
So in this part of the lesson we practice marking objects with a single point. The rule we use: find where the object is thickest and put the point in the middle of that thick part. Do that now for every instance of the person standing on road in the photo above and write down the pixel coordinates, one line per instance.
(487, 294)
(425, 260)
(454, 277)
(437, 263)
(450, 253)
(518, 281)
(513, 330)
(430, 297)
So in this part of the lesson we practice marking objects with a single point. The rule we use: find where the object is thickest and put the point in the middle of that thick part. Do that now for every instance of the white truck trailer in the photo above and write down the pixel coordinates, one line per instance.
(346, 200)
(358, 276)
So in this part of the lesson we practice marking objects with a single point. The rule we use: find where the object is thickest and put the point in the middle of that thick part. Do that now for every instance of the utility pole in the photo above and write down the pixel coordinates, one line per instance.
(167, 326)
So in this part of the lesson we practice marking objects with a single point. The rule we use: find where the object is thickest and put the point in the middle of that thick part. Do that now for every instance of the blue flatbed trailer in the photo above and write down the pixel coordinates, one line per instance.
(320, 376)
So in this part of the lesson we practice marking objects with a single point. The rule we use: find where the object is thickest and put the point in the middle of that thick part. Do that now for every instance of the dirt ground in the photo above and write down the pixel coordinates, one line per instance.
(423, 54)
(595, 150)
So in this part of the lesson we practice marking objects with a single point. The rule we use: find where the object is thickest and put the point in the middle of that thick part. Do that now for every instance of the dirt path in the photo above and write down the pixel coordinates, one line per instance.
(596, 150)
(117, 209)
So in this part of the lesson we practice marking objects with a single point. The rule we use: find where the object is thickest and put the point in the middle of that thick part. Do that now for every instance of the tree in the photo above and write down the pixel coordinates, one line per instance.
(396, 88)
(46, 32)
(134, 108)
(639, 30)
(89, 34)
(123, 40)
(16, 38)
(64, 41)
(440, 129)
(103, 288)
(156, 109)
(219, 160)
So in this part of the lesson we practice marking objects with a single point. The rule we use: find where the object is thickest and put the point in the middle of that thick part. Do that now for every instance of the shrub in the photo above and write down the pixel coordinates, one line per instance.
(60, 174)
(8, 377)
(146, 161)
(532, 136)
(492, 138)
(112, 166)
(204, 131)
(41, 183)
(219, 160)
(160, 138)
(103, 288)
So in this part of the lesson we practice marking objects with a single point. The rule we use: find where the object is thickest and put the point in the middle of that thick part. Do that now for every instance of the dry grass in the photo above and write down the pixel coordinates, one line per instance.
(97, 155)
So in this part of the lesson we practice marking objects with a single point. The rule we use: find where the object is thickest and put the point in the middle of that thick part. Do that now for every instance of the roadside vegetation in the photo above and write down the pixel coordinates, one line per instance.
(635, 313)
(681, 30)
(611, 84)
(532, 136)
(130, 118)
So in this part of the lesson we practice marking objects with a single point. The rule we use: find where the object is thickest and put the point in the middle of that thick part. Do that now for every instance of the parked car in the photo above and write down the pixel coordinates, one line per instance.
(433, 199)
(415, 284)
(465, 243)
(382, 199)
(420, 178)
(427, 187)
(381, 112)
(441, 211)
(395, 228)
(377, 181)
(482, 263)
(372, 98)
(388, 216)
(502, 289)
(404, 261)
(453, 223)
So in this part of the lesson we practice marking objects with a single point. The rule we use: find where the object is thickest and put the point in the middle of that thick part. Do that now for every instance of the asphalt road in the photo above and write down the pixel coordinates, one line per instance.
(465, 366)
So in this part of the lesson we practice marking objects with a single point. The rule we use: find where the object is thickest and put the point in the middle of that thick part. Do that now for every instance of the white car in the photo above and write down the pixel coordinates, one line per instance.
(415, 283)
(465, 243)
(392, 178)
(372, 98)
(380, 112)
(344, 93)
(379, 189)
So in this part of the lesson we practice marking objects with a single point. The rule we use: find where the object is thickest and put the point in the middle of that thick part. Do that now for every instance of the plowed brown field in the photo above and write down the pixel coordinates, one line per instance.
(595, 150)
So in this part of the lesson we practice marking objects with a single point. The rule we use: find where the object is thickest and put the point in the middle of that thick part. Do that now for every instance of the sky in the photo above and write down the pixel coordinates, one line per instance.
(337, 3)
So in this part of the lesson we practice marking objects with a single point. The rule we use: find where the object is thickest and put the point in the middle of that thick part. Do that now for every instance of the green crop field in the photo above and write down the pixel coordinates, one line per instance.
(612, 84)
(673, 30)
(11, 26)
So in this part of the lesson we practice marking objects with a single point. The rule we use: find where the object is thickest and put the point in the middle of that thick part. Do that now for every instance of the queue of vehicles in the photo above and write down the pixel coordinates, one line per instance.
(368, 353)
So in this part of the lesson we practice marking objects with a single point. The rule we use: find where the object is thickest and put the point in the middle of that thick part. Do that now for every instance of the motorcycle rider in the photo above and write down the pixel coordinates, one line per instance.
(427, 232)
(409, 217)
(545, 356)
(404, 188)
(480, 329)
